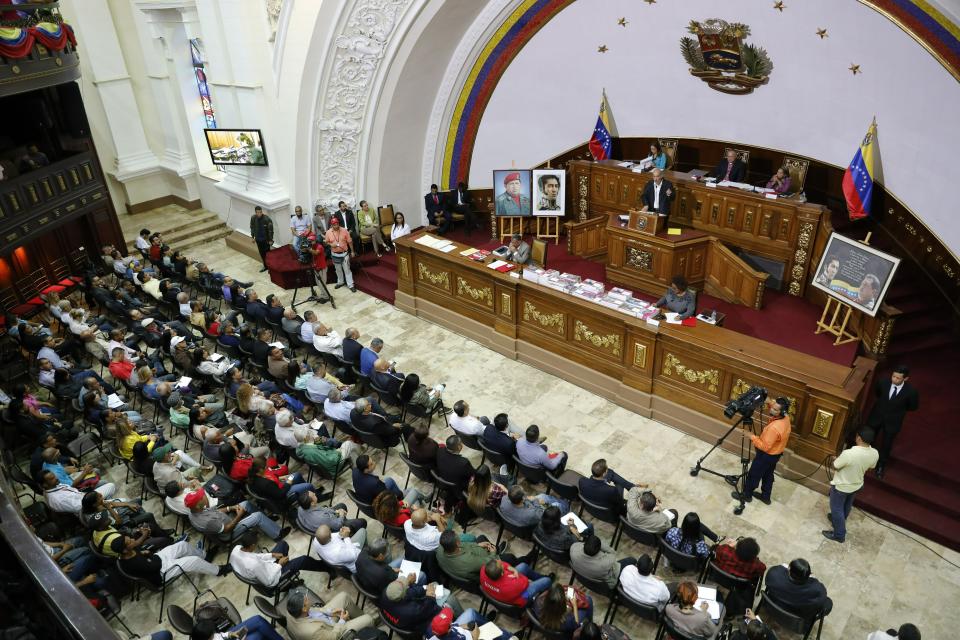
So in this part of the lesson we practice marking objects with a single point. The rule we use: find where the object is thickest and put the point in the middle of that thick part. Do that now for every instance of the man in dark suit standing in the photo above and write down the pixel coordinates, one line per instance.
(458, 200)
(730, 168)
(658, 195)
(434, 203)
(894, 397)
(348, 221)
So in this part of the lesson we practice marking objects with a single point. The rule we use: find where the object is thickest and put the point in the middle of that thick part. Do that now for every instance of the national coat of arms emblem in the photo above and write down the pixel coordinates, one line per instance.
(720, 58)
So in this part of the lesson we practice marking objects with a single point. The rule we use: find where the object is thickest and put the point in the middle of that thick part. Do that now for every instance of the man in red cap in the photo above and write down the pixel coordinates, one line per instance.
(512, 202)
(465, 627)
(341, 248)
(216, 521)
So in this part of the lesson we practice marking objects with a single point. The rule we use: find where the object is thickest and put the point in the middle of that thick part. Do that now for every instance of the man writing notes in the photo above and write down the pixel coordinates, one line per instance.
(658, 195)
(893, 398)
(769, 445)
(730, 168)
(678, 299)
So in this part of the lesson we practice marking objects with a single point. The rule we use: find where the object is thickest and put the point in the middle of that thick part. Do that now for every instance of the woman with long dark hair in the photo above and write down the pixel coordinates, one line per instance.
(557, 612)
(483, 491)
(688, 537)
(412, 392)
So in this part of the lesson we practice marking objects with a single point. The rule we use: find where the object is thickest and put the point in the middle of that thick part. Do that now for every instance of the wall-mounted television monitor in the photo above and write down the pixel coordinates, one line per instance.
(236, 147)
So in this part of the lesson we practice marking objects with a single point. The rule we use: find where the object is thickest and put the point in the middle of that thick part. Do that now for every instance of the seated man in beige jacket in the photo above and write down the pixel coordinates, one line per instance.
(308, 619)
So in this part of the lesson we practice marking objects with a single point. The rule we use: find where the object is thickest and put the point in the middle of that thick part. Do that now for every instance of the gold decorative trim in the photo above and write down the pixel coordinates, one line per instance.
(640, 355)
(482, 294)
(709, 378)
(907, 30)
(741, 386)
(505, 304)
(584, 191)
(804, 239)
(404, 268)
(582, 333)
(883, 336)
(639, 258)
(546, 320)
(434, 278)
(823, 423)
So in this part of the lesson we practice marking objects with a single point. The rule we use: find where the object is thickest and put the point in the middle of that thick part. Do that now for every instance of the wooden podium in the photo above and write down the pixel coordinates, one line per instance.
(647, 222)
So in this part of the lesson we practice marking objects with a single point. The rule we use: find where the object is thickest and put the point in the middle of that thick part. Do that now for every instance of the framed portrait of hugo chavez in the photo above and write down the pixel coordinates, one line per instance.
(511, 192)
(549, 192)
(855, 273)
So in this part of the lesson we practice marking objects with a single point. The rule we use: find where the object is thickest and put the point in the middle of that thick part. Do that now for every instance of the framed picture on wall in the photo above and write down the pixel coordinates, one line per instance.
(549, 192)
(511, 192)
(855, 273)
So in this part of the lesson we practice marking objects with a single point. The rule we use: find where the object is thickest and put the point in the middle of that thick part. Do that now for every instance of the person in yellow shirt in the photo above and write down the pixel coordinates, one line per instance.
(769, 445)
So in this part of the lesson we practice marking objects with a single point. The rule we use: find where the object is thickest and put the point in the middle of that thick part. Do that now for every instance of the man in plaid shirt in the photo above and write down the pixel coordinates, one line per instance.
(739, 557)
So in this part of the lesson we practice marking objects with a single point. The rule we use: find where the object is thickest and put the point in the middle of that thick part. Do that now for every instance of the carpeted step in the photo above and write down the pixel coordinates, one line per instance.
(913, 324)
(919, 342)
(929, 522)
(901, 480)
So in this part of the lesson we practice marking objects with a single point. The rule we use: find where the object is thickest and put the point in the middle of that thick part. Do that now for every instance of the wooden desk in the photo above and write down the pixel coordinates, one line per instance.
(783, 230)
(680, 375)
(648, 262)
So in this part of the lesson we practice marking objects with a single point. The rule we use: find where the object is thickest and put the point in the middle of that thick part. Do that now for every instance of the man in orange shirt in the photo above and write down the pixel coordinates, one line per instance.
(769, 445)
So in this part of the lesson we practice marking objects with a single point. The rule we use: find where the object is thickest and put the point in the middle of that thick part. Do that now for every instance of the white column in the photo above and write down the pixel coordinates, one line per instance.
(100, 45)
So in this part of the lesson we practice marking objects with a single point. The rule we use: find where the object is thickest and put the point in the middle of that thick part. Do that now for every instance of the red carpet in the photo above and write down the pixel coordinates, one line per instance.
(921, 490)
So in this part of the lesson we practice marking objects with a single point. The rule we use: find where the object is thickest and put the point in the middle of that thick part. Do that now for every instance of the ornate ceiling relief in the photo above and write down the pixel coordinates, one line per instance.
(359, 52)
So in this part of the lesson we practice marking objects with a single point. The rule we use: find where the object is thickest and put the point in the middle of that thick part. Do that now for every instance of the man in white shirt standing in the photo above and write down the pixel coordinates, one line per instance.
(658, 195)
(642, 586)
(850, 467)
(339, 549)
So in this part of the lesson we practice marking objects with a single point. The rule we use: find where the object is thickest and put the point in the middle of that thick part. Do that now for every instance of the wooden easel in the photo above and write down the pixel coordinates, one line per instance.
(544, 226)
(839, 318)
(510, 225)
(837, 325)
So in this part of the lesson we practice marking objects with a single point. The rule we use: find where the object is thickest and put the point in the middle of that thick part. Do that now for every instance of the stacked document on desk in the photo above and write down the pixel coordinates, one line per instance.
(708, 595)
(736, 185)
(434, 242)
(467, 252)
(623, 294)
(501, 266)
(532, 273)
(479, 255)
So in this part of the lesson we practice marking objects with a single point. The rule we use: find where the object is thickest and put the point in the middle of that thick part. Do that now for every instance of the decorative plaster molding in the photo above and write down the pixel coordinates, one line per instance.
(466, 53)
(359, 53)
(274, 8)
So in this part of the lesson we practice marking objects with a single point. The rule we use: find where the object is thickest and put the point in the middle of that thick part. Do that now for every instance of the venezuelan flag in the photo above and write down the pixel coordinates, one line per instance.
(858, 178)
(601, 143)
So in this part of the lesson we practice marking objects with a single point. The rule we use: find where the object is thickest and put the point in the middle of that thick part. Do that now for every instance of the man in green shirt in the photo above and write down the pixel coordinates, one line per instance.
(462, 560)
(850, 467)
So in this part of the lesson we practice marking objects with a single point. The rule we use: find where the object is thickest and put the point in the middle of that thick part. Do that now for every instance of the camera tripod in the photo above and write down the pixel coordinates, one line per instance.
(319, 278)
(738, 481)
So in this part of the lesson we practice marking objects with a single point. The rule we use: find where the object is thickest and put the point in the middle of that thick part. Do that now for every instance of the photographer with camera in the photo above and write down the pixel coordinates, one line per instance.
(769, 445)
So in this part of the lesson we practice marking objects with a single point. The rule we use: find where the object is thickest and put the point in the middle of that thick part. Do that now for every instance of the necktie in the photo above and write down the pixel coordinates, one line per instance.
(436, 200)
(729, 169)
(893, 392)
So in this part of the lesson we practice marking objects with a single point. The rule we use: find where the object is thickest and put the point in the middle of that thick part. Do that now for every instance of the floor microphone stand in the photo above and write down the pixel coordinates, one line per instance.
(739, 481)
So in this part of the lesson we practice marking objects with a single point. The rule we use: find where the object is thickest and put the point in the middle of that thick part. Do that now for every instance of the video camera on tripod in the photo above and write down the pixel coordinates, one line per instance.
(746, 403)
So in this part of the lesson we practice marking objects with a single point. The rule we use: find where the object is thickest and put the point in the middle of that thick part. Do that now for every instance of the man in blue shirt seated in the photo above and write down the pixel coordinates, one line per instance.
(679, 299)
(532, 453)
(369, 355)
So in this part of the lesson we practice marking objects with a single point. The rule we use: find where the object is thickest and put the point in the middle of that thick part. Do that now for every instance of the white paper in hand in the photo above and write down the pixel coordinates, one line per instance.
(490, 631)
(184, 381)
(576, 521)
(407, 568)
(114, 401)
(713, 608)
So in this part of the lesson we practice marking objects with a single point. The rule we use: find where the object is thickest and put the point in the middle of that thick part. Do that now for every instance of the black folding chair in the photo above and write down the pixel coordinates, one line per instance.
(599, 587)
(647, 538)
(419, 471)
(646, 611)
(602, 513)
(680, 561)
(789, 620)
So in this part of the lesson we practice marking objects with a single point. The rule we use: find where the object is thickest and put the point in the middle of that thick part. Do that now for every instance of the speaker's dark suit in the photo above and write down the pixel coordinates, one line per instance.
(887, 414)
(466, 208)
(737, 174)
(434, 205)
(667, 192)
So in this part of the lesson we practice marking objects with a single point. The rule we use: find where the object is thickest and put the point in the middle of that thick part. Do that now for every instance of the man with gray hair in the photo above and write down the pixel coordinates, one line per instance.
(387, 426)
(327, 340)
(517, 251)
(183, 301)
(369, 355)
(351, 345)
(290, 323)
(311, 515)
(336, 408)
(306, 329)
(375, 570)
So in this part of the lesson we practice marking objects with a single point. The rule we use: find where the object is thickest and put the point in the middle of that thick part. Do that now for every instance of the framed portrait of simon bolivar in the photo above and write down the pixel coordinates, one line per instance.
(512, 192)
(855, 273)
(549, 192)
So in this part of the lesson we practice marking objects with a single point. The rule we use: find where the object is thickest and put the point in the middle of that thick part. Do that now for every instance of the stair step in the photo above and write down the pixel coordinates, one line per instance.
(930, 523)
(204, 236)
(919, 343)
(180, 227)
(919, 488)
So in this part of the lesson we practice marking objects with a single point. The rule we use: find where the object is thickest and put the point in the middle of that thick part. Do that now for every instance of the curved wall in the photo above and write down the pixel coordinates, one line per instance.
(546, 100)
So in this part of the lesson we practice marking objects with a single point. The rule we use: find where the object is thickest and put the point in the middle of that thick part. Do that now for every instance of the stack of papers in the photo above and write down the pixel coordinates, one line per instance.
(532, 273)
(278, 345)
(434, 242)
(501, 266)
(490, 631)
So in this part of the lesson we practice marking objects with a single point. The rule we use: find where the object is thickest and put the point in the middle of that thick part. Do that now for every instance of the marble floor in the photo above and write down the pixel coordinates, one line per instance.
(880, 578)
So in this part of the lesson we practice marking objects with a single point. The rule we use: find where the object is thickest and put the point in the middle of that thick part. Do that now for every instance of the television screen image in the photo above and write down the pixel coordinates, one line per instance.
(511, 192)
(549, 192)
(855, 273)
(236, 147)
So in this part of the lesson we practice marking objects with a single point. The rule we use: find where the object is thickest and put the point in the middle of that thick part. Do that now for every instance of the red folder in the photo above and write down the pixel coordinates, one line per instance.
(689, 322)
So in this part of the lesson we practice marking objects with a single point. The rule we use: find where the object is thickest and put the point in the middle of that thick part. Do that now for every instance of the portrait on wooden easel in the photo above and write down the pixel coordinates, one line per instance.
(511, 190)
(855, 273)
(549, 192)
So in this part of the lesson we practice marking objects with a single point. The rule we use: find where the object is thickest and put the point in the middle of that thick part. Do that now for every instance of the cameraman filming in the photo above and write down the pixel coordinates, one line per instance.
(769, 445)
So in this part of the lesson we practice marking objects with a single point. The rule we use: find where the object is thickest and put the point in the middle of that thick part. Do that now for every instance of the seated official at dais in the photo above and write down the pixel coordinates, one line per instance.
(678, 299)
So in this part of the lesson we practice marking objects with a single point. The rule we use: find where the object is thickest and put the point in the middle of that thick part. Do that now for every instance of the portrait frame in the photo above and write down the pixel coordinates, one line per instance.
(500, 190)
(540, 175)
(846, 265)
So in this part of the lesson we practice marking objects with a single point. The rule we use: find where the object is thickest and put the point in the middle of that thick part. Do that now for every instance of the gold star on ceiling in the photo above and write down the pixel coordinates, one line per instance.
(822, 33)
(779, 6)
(855, 68)
(622, 22)
(602, 49)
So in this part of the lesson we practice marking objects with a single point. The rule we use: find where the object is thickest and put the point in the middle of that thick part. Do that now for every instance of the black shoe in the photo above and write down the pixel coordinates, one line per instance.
(552, 577)
(736, 495)
(339, 284)
(879, 473)
(262, 270)
(353, 289)
(501, 547)
(830, 535)
(759, 497)
(211, 553)
(284, 533)
(224, 569)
